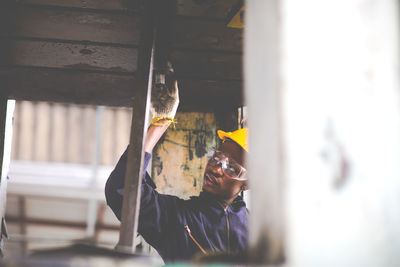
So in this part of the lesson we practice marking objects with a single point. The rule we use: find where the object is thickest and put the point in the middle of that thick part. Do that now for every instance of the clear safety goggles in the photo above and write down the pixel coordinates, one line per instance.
(229, 166)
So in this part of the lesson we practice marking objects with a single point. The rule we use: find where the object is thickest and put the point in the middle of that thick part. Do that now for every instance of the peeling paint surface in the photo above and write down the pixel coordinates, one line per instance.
(181, 154)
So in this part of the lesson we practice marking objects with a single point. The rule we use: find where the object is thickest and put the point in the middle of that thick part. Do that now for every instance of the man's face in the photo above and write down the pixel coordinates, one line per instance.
(216, 181)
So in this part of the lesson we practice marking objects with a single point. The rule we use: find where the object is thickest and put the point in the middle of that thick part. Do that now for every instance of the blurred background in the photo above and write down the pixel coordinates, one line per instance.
(61, 157)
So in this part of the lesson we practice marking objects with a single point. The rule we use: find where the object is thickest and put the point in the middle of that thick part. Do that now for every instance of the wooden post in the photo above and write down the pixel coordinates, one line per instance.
(142, 93)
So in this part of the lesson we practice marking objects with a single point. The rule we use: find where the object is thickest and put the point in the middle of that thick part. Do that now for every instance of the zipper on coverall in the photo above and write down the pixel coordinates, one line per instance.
(228, 245)
(194, 240)
(227, 233)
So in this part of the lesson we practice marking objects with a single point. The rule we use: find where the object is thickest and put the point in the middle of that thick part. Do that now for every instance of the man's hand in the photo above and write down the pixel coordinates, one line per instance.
(164, 100)
(164, 95)
(164, 103)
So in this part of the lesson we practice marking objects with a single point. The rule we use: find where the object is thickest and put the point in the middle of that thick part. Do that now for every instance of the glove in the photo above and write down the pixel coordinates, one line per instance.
(164, 100)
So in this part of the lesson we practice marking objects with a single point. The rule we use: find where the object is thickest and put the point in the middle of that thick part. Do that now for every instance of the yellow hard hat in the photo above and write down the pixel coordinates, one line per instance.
(238, 136)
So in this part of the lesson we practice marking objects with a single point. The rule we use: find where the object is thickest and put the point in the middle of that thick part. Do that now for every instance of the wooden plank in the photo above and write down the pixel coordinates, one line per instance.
(73, 56)
(203, 35)
(69, 86)
(35, 84)
(206, 9)
(76, 25)
(208, 65)
(112, 5)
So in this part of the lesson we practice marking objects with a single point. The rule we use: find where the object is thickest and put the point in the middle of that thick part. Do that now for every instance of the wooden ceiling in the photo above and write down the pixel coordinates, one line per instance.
(85, 51)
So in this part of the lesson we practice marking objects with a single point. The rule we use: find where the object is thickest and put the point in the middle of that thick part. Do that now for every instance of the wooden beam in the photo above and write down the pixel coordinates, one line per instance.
(134, 170)
(78, 25)
(86, 87)
(68, 86)
(56, 54)
(191, 8)
(106, 5)
(73, 56)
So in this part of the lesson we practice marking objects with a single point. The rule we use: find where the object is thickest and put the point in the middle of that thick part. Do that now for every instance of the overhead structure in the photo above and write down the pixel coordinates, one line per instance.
(86, 52)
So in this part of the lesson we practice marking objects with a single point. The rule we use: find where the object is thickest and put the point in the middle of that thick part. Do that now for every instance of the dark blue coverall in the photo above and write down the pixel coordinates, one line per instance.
(178, 229)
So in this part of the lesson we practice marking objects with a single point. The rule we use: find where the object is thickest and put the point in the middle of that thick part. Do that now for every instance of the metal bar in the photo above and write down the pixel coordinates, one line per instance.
(134, 170)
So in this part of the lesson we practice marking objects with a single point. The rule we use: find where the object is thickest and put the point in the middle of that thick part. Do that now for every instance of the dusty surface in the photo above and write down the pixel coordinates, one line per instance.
(180, 157)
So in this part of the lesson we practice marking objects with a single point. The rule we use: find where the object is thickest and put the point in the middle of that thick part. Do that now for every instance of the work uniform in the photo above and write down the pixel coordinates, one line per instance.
(177, 228)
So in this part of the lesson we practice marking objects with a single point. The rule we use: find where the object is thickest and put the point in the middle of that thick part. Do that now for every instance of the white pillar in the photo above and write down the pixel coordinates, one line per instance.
(263, 95)
(322, 88)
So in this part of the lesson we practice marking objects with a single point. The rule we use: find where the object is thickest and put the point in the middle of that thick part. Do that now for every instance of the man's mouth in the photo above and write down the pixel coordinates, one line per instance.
(210, 179)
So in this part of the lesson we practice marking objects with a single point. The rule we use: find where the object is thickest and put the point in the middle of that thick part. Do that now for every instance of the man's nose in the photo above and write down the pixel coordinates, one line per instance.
(217, 170)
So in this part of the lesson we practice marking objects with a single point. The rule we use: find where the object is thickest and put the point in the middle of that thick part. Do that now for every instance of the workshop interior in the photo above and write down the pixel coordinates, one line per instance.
(316, 83)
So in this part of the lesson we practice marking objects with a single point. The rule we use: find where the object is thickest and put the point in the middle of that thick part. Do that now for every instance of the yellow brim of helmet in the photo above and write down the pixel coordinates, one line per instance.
(238, 136)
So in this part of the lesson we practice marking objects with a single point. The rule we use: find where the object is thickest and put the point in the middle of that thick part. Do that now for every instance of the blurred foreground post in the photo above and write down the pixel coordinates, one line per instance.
(141, 100)
(322, 90)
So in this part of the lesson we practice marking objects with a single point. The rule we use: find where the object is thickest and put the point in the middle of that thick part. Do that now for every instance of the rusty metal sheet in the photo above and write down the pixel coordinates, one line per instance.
(180, 157)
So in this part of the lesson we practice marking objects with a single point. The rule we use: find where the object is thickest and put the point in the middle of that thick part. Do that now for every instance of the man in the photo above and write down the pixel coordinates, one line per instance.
(178, 229)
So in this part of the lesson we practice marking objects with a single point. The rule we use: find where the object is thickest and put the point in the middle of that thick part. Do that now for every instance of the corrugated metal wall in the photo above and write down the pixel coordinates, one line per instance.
(56, 132)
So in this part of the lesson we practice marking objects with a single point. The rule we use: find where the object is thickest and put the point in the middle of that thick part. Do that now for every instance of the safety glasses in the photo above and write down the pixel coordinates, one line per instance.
(229, 166)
